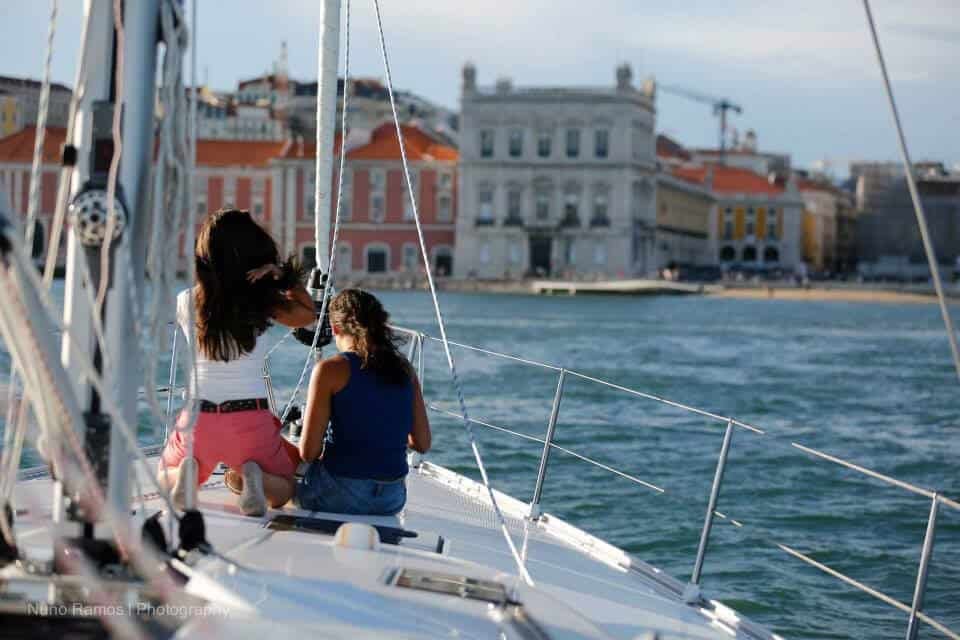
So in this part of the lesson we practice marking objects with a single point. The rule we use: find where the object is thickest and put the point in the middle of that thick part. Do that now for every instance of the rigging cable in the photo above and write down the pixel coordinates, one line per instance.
(474, 445)
(914, 194)
(18, 412)
(319, 211)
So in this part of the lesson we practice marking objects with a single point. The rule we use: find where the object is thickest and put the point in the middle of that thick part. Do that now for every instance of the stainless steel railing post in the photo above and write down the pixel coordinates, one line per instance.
(547, 442)
(692, 593)
(925, 554)
(268, 381)
(413, 347)
(420, 344)
(171, 381)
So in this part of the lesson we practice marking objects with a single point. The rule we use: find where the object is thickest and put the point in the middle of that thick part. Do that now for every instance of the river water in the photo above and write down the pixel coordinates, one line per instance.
(871, 383)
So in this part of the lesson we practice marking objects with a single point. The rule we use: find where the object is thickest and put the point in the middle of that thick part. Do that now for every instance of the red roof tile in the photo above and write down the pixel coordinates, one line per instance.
(383, 145)
(667, 147)
(227, 153)
(728, 179)
(18, 147)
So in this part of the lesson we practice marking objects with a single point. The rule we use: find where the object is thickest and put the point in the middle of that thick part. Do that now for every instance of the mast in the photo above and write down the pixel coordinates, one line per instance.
(92, 144)
(328, 58)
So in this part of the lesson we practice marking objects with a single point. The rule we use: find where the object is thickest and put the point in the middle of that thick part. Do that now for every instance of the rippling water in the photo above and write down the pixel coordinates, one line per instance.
(870, 383)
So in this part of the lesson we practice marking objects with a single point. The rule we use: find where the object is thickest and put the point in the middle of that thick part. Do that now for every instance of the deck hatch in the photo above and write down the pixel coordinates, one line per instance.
(388, 535)
(454, 585)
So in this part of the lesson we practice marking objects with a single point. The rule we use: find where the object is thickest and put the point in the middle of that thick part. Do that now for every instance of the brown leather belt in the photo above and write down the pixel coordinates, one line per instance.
(230, 406)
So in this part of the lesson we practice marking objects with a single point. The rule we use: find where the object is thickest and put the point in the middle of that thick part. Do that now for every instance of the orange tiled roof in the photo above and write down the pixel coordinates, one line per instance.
(729, 179)
(667, 147)
(227, 153)
(383, 145)
(18, 147)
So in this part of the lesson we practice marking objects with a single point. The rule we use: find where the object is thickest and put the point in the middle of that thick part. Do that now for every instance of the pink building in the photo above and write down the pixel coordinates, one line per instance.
(274, 180)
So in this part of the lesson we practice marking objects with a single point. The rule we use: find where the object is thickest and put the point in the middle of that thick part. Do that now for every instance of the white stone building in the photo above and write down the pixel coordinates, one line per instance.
(556, 181)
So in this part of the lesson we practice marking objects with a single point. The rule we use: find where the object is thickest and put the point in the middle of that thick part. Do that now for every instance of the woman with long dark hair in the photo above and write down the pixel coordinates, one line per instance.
(370, 397)
(242, 288)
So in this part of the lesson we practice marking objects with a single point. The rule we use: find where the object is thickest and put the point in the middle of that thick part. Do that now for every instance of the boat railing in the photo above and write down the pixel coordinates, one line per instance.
(416, 347)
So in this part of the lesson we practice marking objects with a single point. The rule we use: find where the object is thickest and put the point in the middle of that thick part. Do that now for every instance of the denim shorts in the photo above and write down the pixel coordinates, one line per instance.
(320, 490)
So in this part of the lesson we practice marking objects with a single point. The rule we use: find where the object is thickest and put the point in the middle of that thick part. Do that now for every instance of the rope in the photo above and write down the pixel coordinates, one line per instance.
(34, 203)
(16, 422)
(331, 262)
(436, 306)
(915, 195)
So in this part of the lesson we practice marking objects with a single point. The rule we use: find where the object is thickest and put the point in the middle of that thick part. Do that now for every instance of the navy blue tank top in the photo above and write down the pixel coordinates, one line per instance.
(370, 420)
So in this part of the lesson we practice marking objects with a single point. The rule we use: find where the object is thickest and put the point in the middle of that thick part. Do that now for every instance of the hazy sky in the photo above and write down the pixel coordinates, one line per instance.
(804, 72)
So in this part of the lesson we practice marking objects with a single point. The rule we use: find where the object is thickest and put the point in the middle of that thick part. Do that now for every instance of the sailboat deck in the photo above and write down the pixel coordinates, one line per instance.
(585, 588)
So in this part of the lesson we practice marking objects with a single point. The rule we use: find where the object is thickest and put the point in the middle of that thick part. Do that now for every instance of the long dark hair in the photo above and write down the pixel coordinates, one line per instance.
(231, 311)
(360, 315)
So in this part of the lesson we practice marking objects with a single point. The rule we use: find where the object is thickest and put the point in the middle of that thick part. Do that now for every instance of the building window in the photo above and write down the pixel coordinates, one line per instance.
(485, 253)
(516, 143)
(445, 180)
(444, 209)
(544, 144)
(409, 257)
(571, 205)
(377, 259)
(346, 200)
(407, 203)
(516, 253)
(258, 207)
(376, 207)
(750, 227)
(344, 258)
(601, 143)
(378, 182)
(485, 205)
(728, 224)
(770, 254)
(573, 143)
(542, 204)
(309, 200)
(570, 251)
(201, 205)
(601, 207)
(308, 257)
(514, 206)
(600, 254)
(486, 143)
(728, 254)
(772, 221)
(749, 253)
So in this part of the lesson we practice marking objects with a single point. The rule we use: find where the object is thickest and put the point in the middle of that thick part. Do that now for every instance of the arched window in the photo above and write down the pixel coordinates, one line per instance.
(749, 253)
(771, 254)
(378, 258)
(308, 256)
(442, 261)
(727, 254)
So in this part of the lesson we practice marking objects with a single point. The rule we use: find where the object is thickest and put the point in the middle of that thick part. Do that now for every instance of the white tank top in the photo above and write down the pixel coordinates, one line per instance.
(218, 381)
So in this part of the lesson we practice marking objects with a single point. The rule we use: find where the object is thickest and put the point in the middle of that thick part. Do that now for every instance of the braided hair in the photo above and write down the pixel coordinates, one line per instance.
(361, 316)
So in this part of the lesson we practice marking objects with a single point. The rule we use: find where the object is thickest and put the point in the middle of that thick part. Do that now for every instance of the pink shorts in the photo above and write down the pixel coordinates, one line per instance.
(231, 438)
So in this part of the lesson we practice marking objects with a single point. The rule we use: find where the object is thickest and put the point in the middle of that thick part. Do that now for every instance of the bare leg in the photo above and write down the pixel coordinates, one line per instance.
(278, 489)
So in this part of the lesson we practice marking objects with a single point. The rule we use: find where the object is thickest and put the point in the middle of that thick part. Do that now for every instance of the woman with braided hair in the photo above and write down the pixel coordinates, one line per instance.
(364, 409)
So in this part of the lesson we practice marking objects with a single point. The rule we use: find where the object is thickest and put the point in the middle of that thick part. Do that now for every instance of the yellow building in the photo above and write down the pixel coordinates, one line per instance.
(9, 114)
(822, 210)
(683, 222)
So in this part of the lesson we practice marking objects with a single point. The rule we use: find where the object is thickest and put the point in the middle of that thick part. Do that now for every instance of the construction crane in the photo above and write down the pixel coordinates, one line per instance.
(720, 108)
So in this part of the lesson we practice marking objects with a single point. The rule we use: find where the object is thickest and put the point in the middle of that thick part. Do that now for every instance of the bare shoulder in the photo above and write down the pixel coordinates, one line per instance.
(333, 372)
